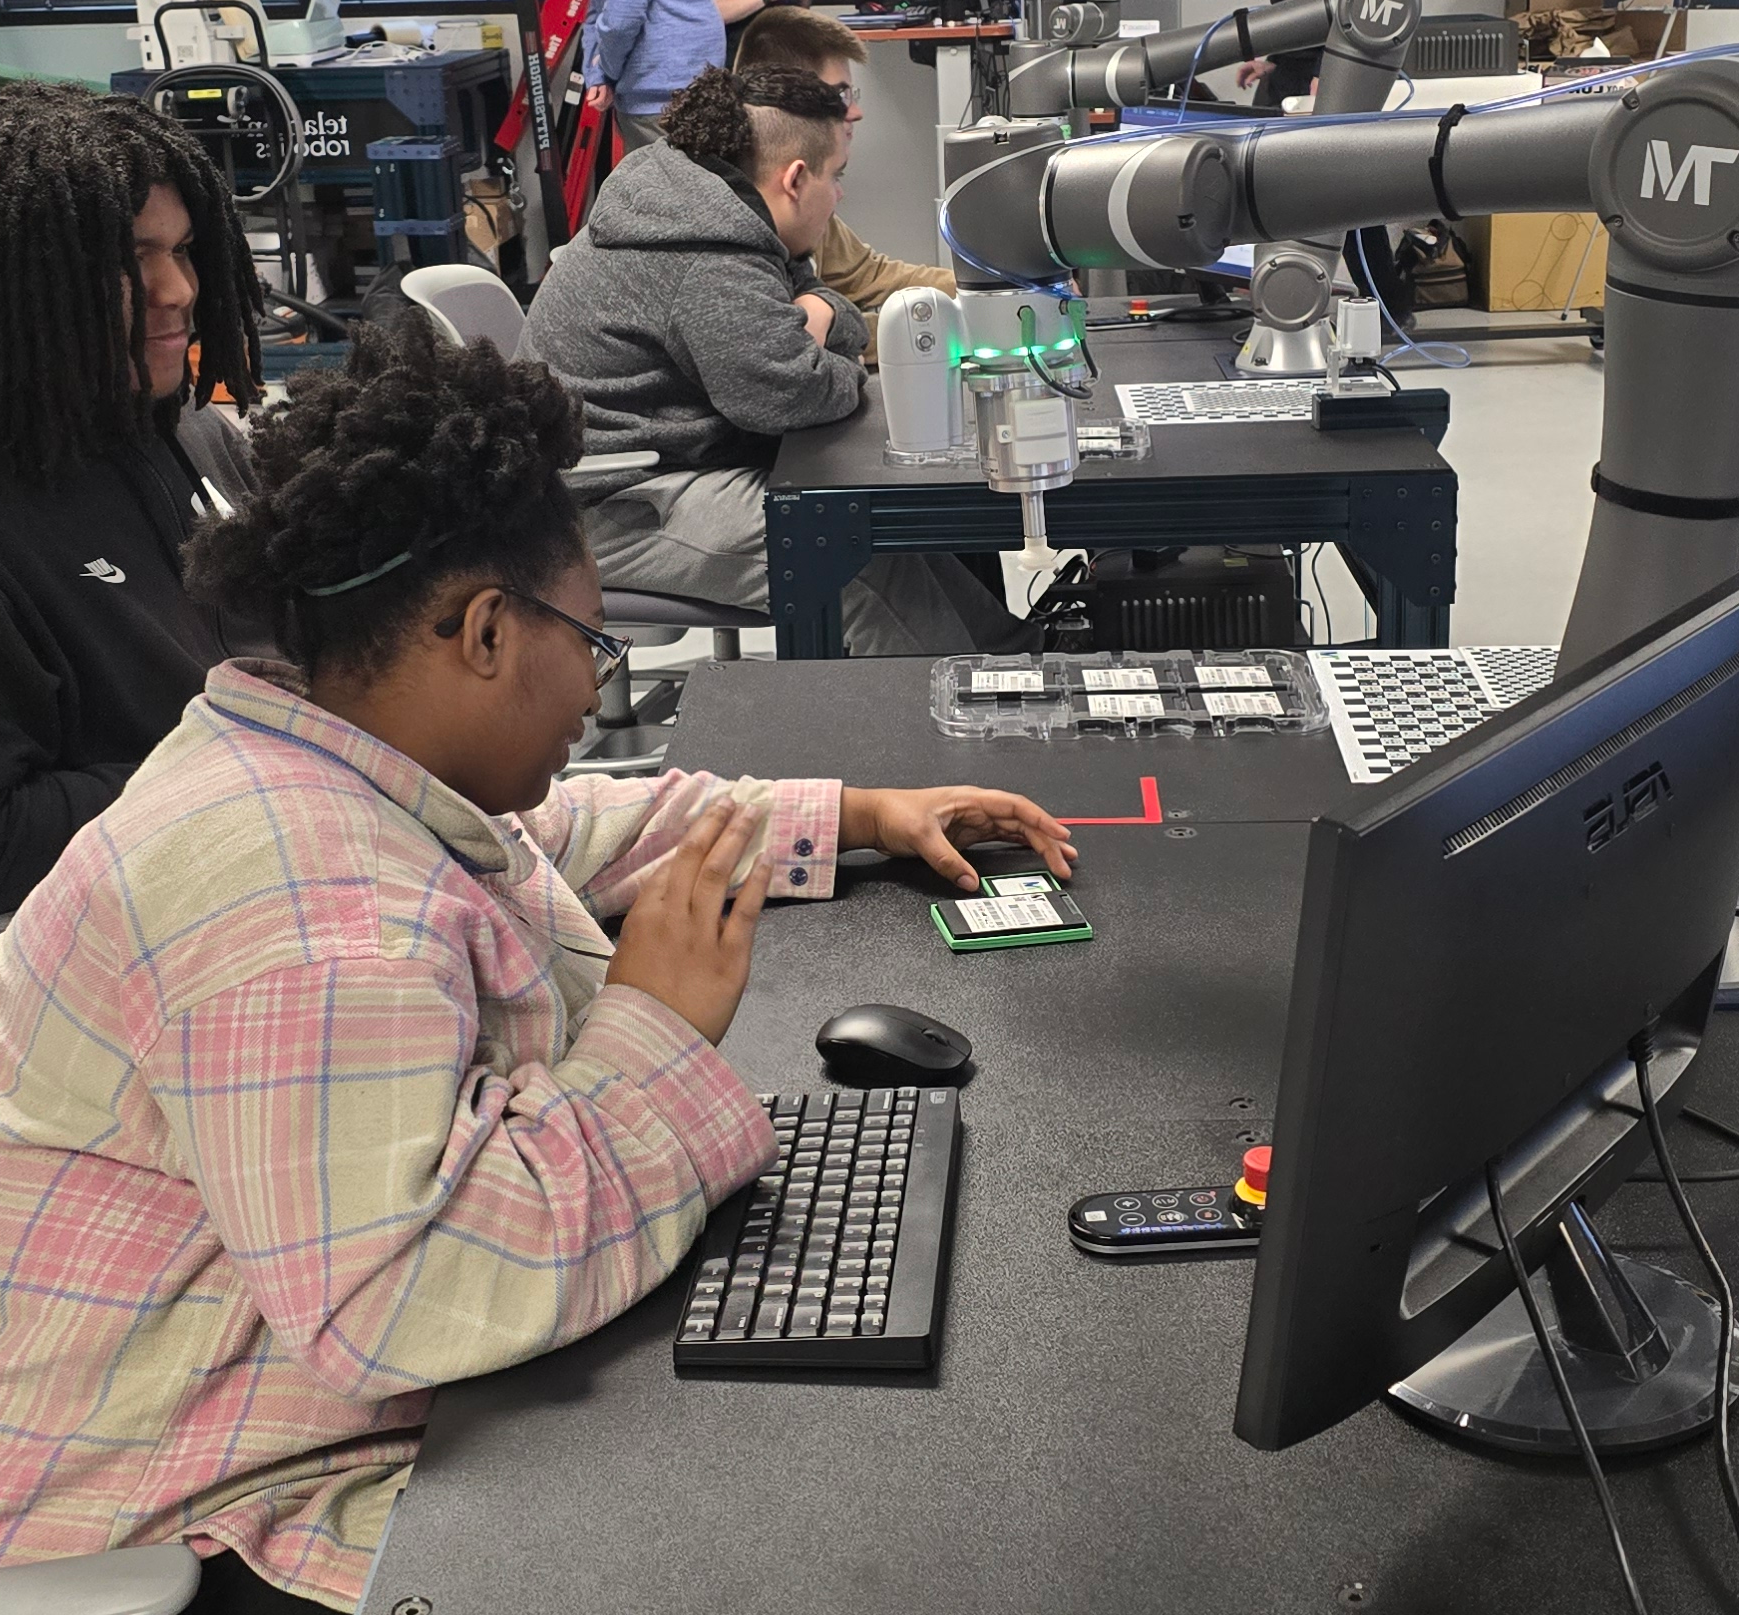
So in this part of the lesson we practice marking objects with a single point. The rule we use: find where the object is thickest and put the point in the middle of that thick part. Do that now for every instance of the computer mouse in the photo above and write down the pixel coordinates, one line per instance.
(884, 1046)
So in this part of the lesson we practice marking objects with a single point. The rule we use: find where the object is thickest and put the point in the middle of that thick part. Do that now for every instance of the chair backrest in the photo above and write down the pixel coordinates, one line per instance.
(469, 301)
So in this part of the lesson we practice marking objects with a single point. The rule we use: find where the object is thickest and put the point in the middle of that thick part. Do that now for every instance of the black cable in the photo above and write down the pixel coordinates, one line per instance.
(201, 74)
(1327, 620)
(1494, 1191)
(1642, 1052)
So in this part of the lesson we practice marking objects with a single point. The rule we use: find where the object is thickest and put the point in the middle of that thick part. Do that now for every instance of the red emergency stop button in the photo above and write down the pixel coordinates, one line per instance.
(1256, 1163)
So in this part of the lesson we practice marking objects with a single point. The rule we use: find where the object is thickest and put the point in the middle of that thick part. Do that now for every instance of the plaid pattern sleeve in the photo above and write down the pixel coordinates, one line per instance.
(313, 1097)
(605, 836)
(392, 1240)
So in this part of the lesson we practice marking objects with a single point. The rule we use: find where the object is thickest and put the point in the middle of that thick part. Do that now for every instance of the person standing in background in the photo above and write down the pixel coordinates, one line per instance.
(636, 54)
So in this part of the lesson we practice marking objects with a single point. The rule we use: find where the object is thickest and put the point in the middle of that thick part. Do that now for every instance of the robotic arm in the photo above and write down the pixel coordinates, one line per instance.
(1364, 43)
(1660, 167)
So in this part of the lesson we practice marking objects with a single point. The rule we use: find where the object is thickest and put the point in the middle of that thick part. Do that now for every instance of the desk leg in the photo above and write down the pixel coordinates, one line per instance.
(816, 544)
(1401, 533)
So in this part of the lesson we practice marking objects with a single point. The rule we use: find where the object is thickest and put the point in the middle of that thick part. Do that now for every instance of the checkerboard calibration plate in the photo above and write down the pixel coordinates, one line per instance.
(1390, 707)
(1210, 403)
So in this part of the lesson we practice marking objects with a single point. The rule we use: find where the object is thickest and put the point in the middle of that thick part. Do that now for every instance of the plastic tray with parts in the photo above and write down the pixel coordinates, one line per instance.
(1126, 695)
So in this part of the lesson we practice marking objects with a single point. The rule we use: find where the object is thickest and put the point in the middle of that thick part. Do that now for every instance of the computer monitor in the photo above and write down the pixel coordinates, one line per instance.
(1481, 941)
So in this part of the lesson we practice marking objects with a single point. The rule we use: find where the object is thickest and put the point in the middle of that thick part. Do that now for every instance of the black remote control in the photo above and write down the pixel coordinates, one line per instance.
(1199, 1221)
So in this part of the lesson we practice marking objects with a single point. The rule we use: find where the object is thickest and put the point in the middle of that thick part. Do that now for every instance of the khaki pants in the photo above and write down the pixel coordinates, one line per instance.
(704, 534)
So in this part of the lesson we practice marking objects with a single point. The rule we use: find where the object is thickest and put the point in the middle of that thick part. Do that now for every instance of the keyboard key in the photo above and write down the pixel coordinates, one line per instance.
(709, 1287)
(697, 1331)
(777, 1292)
(811, 1295)
(860, 1197)
(818, 1106)
(880, 1264)
(880, 1102)
(891, 1197)
(754, 1245)
(766, 1100)
(893, 1180)
(854, 1247)
(819, 1224)
(841, 1323)
(906, 1107)
(855, 1264)
(770, 1319)
(716, 1268)
(868, 1325)
(882, 1247)
(805, 1322)
(839, 1175)
(734, 1316)
(787, 1104)
(905, 1093)
(781, 1273)
(860, 1217)
(902, 1151)
(876, 1284)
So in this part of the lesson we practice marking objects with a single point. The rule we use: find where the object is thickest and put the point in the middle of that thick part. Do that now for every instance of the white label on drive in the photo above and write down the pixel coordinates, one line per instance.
(1125, 706)
(1233, 678)
(1244, 706)
(1007, 682)
(1119, 678)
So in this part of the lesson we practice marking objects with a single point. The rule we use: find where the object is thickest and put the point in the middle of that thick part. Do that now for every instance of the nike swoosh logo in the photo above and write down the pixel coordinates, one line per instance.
(103, 571)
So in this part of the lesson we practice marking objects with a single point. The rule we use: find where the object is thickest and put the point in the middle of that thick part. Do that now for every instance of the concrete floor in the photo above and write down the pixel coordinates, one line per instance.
(1524, 434)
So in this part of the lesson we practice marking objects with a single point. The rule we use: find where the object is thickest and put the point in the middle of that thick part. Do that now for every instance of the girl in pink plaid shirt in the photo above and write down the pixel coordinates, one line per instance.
(320, 1082)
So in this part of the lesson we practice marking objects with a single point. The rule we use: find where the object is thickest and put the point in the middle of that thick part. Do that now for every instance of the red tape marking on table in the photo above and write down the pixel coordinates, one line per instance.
(1150, 810)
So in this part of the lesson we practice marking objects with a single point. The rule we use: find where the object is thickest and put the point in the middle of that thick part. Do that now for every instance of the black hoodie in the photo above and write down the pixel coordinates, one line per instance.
(100, 646)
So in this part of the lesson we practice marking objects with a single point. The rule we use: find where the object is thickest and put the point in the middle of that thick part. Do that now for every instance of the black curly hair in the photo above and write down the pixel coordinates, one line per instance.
(756, 118)
(418, 463)
(75, 170)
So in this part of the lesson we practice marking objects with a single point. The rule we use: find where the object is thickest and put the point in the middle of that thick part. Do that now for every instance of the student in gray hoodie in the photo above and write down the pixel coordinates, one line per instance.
(688, 318)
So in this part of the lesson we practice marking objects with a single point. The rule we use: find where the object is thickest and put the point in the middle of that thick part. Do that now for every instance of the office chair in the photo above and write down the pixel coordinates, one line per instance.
(632, 734)
(159, 1580)
(468, 304)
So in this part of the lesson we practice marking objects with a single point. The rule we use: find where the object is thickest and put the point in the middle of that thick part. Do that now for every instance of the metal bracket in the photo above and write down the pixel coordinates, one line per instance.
(1402, 530)
(816, 544)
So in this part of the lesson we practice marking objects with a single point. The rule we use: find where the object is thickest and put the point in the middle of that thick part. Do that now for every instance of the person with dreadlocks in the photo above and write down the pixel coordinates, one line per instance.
(119, 245)
(321, 1084)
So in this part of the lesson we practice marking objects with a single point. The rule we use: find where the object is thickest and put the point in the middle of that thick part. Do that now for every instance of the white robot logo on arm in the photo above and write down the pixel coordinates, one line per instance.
(1661, 168)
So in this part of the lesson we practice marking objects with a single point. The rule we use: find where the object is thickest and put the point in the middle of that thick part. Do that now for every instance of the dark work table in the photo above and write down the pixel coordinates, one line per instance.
(1073, 1450)
(1386, 497)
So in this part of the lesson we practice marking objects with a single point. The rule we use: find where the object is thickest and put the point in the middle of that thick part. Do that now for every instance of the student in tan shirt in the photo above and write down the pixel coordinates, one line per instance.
(790, 36)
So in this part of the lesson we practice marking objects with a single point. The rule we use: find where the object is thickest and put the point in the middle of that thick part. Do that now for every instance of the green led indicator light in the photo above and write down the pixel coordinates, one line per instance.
(987, 353)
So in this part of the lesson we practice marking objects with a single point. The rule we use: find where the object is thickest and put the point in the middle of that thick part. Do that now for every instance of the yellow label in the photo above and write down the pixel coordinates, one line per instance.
(205, 95)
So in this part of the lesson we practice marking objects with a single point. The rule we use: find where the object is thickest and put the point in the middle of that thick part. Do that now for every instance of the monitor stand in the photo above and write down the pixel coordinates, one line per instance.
(1637, 1344)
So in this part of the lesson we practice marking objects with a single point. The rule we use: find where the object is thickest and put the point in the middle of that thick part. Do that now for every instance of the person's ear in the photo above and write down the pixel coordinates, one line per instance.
(483, 632)
(795, 179)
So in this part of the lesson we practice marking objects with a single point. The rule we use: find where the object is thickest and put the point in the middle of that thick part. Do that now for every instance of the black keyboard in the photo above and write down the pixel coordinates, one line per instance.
(836, 1257)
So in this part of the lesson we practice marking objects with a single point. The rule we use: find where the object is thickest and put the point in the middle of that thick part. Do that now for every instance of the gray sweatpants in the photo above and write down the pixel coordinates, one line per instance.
(704, 534)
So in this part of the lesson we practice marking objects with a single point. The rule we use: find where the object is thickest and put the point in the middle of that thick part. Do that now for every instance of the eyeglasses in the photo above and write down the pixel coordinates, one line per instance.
(850, 94)
(608, 652)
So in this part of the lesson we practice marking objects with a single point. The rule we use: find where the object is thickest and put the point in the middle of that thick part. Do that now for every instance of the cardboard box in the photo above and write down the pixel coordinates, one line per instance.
(490, 217)
(1535, 261)
(1552, 30)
